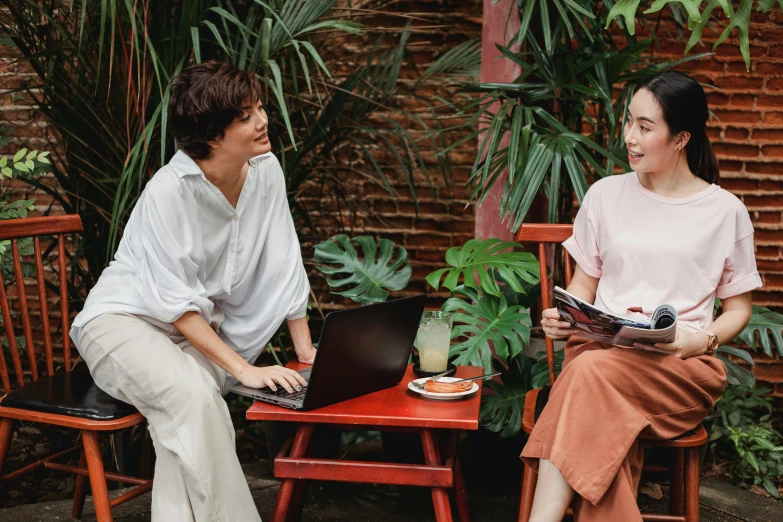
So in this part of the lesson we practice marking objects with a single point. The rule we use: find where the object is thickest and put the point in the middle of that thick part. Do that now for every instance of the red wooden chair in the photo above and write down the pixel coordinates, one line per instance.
(684, 471)
(69, 399)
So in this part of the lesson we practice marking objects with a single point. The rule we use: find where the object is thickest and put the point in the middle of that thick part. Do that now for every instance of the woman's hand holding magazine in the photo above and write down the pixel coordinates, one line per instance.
(686, 344)
(599, 325)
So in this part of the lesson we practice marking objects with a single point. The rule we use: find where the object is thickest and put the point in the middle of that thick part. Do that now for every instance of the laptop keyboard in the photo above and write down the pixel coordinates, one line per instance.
(282, 392)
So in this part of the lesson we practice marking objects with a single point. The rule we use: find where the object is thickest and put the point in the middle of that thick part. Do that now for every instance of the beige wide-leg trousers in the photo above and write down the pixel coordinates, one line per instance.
(150, 365)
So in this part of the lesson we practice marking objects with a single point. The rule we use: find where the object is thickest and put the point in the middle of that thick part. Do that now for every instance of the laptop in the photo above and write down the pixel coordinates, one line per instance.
(361, 350)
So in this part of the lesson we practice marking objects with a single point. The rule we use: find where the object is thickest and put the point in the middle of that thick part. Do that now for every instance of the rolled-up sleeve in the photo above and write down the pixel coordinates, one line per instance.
(739, 274)
(583, 245)
(168, 279)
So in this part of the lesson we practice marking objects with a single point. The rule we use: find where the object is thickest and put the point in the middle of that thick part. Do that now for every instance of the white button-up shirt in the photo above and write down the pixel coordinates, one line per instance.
(185, 248)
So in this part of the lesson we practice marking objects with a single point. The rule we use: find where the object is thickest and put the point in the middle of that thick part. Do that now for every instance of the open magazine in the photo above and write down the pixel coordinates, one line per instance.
(606, 327)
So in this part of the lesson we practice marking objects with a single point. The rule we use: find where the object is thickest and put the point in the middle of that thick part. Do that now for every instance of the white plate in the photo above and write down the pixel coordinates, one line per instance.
(441, 396)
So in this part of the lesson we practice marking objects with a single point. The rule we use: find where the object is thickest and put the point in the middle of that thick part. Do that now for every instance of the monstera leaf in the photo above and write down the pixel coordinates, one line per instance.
(769, 326)
(478, 259)
(483, 319)
(368, 279)
(502, 412)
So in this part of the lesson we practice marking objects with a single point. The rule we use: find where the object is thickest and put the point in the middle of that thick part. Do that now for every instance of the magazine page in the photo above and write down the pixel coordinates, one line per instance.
(600, 325)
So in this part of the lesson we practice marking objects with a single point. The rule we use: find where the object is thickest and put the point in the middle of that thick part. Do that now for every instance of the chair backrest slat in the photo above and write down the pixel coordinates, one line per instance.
(64, 303)
(544, 234)
(15, 229)
(11, 337)
(24, 311)
(47, 334)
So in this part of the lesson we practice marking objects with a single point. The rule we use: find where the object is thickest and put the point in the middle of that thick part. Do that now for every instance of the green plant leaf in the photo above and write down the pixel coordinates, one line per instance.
(370, 277)
(769, 327)
(626, 9)
(740, 21)
(502, 412)
(483, 322)
(737, 375)
(476, 261)
(19, 155)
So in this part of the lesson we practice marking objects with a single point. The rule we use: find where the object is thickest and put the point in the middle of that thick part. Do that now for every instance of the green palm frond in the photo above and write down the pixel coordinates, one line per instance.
(483, 322)
(369, 278)
(474, 265)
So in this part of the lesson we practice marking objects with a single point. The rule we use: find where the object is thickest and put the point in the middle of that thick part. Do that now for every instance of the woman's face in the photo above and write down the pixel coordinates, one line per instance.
(246, 136)
(650, 147)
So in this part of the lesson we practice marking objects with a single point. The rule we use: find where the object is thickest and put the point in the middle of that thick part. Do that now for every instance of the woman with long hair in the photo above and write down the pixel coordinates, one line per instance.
(664, 233)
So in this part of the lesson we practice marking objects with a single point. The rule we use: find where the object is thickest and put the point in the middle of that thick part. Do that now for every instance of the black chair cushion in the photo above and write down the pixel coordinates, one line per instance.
(73, 393)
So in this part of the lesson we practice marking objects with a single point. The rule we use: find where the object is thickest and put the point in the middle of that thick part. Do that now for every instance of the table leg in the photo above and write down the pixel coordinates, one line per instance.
(460, 491)
(289, 495)
(440, 498)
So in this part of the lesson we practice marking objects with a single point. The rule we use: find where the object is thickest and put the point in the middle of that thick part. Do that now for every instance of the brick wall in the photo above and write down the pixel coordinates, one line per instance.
(748, 139)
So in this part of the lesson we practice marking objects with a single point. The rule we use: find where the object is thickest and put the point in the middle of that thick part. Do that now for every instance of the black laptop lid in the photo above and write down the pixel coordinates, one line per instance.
(363, 350)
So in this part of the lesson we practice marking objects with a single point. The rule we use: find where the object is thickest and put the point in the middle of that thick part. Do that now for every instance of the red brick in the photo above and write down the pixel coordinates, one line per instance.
(734, 133)
(766, 265)
(769, 68)
(768, 135)
(737, 116)
(773, 118)
(772, 151)
(730, 166)
(775, 84)
(742, 100)
(428, 240)
(769, 101)
(768, 185)
(773, 281)
(761, 168)
(772, 218)
(739, 185)
(773, 202)
(770, 236)
(735, 150)
(743, 83)
(772, 373)
(768, 251)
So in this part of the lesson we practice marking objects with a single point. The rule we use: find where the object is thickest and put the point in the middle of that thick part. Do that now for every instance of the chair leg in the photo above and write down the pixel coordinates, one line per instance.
(79, 490)
(6, 431)
(529, 479)
(100, 492)
(677, 483)
(692, 485)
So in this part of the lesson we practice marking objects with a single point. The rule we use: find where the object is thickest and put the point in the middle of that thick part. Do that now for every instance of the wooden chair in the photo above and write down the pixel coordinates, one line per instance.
(684, 471)
(69, 399)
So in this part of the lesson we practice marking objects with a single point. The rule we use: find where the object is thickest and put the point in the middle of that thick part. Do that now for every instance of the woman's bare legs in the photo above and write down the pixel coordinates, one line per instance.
(553, 494)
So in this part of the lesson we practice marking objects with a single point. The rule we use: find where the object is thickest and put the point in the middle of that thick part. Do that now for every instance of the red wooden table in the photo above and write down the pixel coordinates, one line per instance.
(392, 409)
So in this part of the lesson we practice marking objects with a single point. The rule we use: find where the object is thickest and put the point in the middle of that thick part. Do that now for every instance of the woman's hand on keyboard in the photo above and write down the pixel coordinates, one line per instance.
(272, 376)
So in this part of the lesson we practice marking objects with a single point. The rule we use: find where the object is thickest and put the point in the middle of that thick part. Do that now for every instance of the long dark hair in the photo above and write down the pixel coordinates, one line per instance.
(684, 106)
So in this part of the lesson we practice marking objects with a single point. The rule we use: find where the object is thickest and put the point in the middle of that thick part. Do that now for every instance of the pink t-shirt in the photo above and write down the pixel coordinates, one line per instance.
(649, 250)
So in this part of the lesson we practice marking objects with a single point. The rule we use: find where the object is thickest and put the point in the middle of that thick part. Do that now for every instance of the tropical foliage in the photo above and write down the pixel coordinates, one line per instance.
(698, 17)
(745, 434)
(563, 115)
(104, 68)
(370, 278)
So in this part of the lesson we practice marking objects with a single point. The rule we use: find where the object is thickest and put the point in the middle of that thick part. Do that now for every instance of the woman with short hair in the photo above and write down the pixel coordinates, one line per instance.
(208, 268)
(665, 233)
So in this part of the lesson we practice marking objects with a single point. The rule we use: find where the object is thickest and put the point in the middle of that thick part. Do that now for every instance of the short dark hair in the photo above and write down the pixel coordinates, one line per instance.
(684, 107)
(205, 99)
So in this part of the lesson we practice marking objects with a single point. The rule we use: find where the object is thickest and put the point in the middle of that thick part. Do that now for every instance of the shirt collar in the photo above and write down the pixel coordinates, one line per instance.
(184, 165)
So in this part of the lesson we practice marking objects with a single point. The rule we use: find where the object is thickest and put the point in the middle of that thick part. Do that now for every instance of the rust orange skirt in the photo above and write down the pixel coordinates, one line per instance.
(605, 398)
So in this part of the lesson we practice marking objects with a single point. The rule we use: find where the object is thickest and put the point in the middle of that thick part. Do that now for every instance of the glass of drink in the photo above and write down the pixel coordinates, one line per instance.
(434, 337)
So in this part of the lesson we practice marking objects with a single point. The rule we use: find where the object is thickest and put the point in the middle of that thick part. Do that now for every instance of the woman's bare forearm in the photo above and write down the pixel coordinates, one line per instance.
(206, 340)
(735, 316)
(583, 286)
(300, 335)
